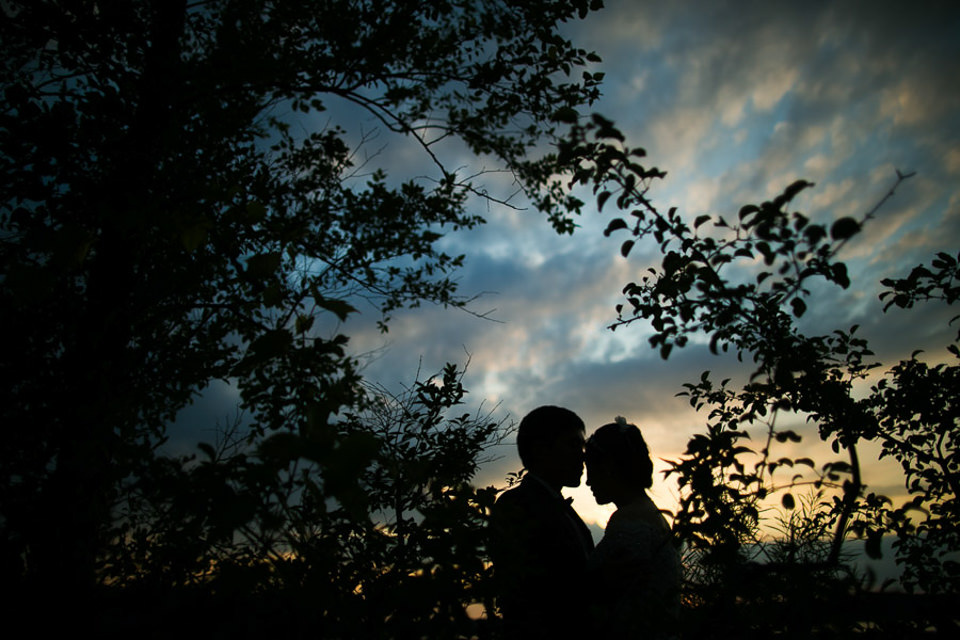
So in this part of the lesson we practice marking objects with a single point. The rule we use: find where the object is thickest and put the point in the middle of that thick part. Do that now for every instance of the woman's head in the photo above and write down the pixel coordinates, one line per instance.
(618, 461)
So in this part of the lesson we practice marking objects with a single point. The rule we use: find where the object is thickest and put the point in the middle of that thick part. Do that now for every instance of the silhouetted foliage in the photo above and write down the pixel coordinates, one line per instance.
(743, 283)
(917, 414)
(173, 213)
(375, 533)
(177, 208)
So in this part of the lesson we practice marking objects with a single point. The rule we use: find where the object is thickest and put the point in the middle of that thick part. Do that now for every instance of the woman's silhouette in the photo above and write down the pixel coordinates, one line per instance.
(635, 567)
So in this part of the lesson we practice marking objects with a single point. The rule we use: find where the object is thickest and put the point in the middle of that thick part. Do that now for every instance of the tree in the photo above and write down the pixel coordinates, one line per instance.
(709, 284)
(376, 531)
(171, 215)
(918, 424)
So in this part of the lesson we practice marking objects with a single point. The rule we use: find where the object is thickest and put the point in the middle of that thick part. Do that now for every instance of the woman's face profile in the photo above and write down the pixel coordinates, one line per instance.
(601, 481)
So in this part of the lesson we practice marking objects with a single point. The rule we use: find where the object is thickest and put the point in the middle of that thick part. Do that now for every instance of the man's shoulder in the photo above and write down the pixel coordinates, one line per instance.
(513, 498)
(522, 500)
(530, 504)
(527, 491)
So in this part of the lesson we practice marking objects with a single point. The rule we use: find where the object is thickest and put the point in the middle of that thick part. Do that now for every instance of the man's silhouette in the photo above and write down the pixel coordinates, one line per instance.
(539, 544)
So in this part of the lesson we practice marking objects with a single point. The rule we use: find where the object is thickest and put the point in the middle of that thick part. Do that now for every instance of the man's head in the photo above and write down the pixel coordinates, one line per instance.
(550, 442)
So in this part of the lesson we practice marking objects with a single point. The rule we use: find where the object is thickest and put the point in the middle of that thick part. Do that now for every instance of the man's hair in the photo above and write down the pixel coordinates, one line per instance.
(541, 427)
(620, 447)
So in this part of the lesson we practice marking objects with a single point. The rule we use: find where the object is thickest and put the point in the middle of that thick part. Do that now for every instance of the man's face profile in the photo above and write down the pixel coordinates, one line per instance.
(562, 460)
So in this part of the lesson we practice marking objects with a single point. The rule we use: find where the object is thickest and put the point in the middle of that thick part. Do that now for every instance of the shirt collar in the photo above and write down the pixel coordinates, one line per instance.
(547, 486)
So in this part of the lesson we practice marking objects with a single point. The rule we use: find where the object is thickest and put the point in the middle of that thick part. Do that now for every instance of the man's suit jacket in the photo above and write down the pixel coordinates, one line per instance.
(539, 547)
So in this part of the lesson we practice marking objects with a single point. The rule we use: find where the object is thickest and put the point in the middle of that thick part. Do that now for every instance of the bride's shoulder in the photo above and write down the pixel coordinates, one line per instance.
(639, 516)
(643, 509)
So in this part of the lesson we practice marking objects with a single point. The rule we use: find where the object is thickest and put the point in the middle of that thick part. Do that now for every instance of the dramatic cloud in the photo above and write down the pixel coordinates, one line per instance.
(735, 100)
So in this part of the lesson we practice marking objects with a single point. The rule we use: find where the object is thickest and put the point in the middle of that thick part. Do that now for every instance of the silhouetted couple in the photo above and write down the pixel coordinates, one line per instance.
(553, 582)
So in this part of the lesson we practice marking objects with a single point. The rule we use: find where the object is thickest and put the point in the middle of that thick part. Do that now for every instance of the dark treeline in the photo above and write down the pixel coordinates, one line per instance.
(177, 208)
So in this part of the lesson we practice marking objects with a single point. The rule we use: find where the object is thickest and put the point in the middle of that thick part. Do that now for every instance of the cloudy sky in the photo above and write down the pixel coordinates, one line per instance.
(735, 100)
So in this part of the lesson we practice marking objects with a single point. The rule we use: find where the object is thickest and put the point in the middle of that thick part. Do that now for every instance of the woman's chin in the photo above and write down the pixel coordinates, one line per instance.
(601, 499)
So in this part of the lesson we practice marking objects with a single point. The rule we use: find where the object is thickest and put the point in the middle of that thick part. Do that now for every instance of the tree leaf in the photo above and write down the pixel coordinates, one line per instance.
(844, 228)
(340, 308)
(614, 225)
(601, 200)
(873, 546)
(566, 115)
(799, 306)
(263, 265)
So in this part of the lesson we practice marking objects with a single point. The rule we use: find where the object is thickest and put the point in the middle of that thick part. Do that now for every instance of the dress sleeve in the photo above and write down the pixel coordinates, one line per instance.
(639, 571)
